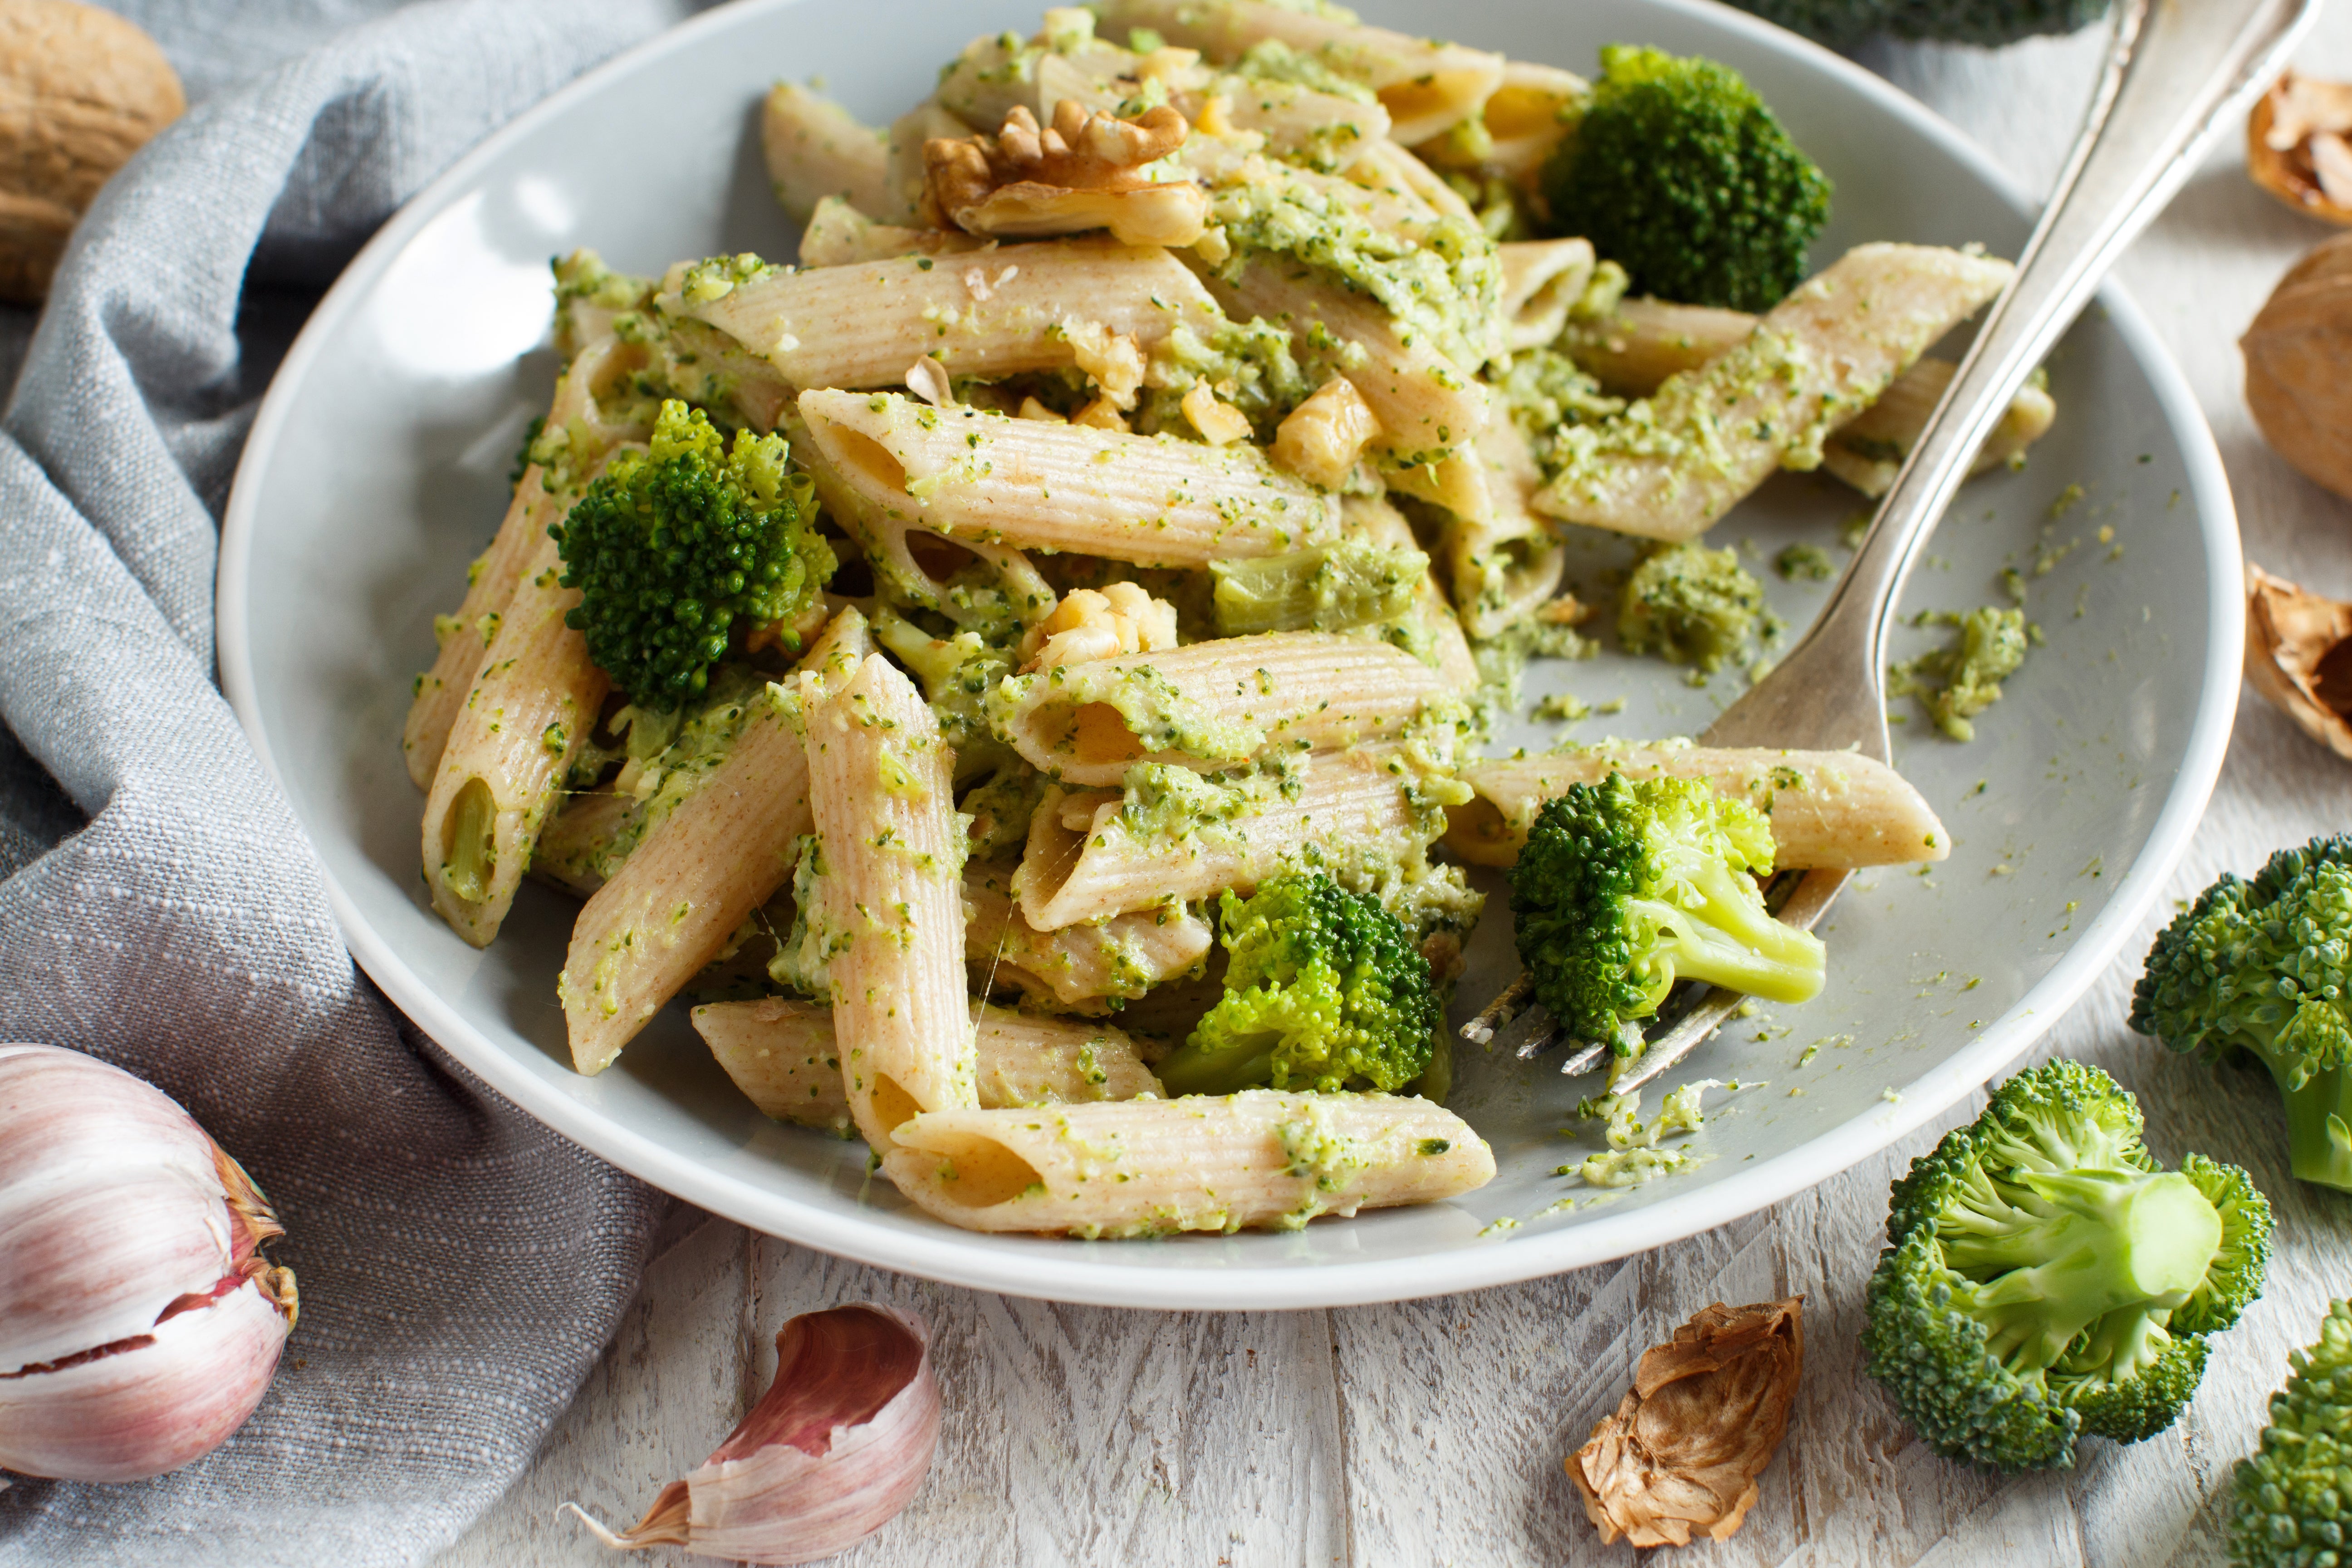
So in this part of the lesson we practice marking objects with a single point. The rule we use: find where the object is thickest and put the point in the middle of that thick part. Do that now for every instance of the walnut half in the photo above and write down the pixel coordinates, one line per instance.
(1084, 172)
(1707, 1410)
(2299, 145)
(2299, 656)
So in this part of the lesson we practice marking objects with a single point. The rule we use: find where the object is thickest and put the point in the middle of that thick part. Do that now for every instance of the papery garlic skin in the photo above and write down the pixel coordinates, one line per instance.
(138, 1324)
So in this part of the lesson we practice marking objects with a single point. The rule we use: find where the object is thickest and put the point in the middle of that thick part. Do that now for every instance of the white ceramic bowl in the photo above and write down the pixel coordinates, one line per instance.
(376, 469)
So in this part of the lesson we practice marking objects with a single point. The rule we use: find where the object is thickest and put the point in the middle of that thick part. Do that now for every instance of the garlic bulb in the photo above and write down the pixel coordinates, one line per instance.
(833, 1451)
(139, 1322)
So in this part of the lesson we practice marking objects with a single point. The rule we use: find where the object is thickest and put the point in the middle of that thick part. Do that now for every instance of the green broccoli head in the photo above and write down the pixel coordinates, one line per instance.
(1690, 605)
(1984, 22)
(2265, 966)
(1678, 173)
(2045, 1278)
(2290, 1509)
(1625, 888)
(672, 546)
(1324, 990)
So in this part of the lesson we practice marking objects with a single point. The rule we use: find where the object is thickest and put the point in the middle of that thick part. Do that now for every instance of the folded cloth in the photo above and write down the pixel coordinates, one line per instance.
(460, 1266)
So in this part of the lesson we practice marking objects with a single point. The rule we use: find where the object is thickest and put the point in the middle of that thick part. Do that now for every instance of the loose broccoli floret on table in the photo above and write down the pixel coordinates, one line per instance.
(1983, 21)
(1332, 588)
(671, 547)
(2265, 967)
(2292, 1503)
(1958, 682)
(1625, 888)
(1324, 990)
(1690, 605)
(2045, 1278)
(1677, 171)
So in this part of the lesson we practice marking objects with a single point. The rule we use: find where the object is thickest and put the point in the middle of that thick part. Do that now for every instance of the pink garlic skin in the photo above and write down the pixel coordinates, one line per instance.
(139, 1326)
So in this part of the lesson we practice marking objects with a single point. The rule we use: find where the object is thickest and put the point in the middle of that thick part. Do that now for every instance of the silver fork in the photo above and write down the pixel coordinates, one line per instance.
(2174, 70)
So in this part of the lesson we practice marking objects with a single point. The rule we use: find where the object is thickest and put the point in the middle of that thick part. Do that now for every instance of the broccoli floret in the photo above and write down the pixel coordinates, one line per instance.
(1690, 605)
(1324, 990)
(1677, 171)
(1991, 648)
(2266, 966)
(671, 547)
(2044, 1277)
(1983, 21)
(2291, 1508)
(1332, 588)
(1625, 888)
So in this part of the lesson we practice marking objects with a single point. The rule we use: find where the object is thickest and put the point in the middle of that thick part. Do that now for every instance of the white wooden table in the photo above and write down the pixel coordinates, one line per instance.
(1432, 1432)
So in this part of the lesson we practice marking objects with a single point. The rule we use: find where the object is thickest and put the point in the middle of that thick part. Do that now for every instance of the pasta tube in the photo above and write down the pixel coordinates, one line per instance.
(838, 234)
(1667, 468)
(1542, 281)
(816, 149)
(880, 788)
(1827, 808)
(688, 886)
(1007, 311)
(1153, 501)
(1173, 834)
(1505, 561)
(781, 1055)
(1264, 1160)
(1211, 704)
(1082, 968)
(1435, 629)
(575, 850)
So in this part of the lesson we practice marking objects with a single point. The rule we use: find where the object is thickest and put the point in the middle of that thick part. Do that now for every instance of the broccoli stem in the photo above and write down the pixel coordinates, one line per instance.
(1731, 940)
(2318, 1124)
(2110, 1239)
(1192, 1068)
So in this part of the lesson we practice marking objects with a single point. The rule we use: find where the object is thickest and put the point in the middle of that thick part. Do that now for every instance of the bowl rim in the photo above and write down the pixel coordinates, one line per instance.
(1091, 1276)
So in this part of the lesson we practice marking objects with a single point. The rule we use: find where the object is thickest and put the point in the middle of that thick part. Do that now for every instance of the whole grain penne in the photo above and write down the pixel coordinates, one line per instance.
(1435, 628)
(1426, 87)
(1827, 808)
(1153, 501)
(881, 791)
(1505, 561)
(1542, 281)
(501, 774)
(699, 872)
(928, 120)
(1079, 968)
(1520, 125)
(781, 1055)
(1264, 1160)
(1007, 311)
(575, 849)
(837, 234)
(1869, 451)
(1669, 466)
(1172, 834)
(1211, 704)
(816, 149)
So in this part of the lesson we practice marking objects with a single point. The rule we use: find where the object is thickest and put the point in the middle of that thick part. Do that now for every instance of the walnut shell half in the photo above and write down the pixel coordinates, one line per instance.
(1705, 1413)
(2299, 366)
(2298, 147)
(2299, 655)
(80, 90)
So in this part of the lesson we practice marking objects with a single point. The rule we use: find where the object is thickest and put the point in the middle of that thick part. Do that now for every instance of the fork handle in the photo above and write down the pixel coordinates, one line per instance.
(2175, 69)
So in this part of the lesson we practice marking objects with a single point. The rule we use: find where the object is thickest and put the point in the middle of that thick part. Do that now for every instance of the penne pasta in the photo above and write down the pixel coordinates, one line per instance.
(1869, 451)
(1173, 834)
(1427, 88)
(1079, 968)
(891, 850)
(781, 1055)
(837, 235)
(816, 149)
(1519, 128)
(1435, 630)
(1263, 1160)
(1542, 281)
(1827, 808)
(1006, 311)
(1668, 467)
(1211, 705)
(575, 849)
(698, 874)
(1505, 563)
(904, 164)
(1153, 501)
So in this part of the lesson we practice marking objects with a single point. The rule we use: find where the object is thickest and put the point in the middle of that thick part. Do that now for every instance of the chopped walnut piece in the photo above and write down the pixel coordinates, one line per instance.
(1220, 423)
(1087, 626)
(2299, 655)
(1321, 438)
(2299, 145)
(1707, 1410)
(1085, 171)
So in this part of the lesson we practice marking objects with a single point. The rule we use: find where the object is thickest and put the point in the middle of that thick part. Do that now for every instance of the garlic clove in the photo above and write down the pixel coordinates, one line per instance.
(835, 1448)
(2299, 656)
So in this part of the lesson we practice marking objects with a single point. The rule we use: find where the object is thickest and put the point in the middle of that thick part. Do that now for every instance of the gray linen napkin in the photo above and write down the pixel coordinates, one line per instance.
(460, 1266)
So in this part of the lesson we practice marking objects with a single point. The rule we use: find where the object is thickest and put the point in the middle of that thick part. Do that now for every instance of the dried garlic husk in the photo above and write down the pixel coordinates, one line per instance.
(139, 1322)
(832, 1453)
(1707, 1409)
(2299, 145)
(2299, 655)
(2299, 366)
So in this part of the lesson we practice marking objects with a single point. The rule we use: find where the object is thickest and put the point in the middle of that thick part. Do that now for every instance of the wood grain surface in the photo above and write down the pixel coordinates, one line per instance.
(1432, 1432)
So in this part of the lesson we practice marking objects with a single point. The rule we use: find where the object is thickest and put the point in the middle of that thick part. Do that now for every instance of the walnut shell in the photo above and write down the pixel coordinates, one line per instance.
(2295, 146)
(80, 90)
(2299, 366)
(2299, 656)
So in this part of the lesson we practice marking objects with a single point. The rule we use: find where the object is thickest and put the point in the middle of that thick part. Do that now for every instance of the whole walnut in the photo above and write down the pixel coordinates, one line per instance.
(2299, 366)
(80, 90)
